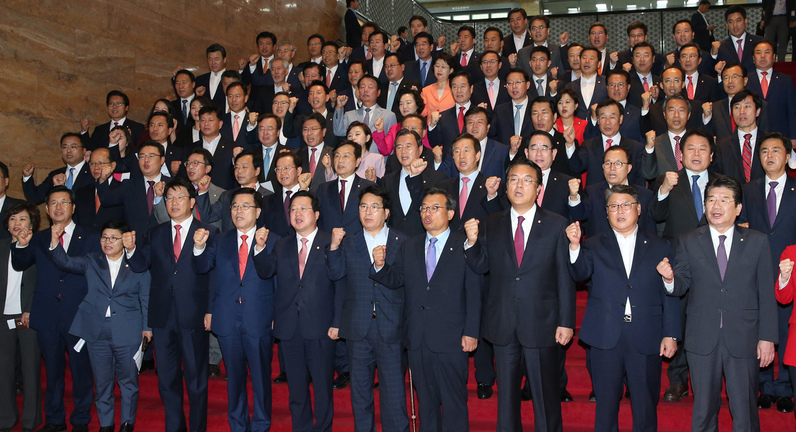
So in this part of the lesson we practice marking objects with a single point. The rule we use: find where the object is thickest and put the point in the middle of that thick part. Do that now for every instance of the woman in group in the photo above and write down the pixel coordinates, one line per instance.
(160, 105)
(112, 319)
(567, 104)
(371, 166)
(17, 295)
(438, 96)
(409, 102)
(187, 136)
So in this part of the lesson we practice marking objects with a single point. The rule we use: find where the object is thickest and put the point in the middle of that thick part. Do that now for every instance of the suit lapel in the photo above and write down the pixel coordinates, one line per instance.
(785, 209)
(444, 257)
(105, 272)
(707, 248)
(667, 150)
(736, 252)
(642, 246)
(537, 229)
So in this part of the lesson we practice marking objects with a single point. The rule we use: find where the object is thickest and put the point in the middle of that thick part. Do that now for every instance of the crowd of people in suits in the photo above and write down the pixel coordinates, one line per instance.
(395, 207)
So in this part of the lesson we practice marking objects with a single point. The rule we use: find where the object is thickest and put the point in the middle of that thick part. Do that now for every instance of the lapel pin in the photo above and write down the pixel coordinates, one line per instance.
(645, 242)
(317, 247)
(538, 221)
(451, 248)
(741, 238)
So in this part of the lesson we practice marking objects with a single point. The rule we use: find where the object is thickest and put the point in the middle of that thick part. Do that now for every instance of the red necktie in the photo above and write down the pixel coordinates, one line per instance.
(608, 143)
(460, 119)
(690, 88)
(177, 242)
(329, 78)
(368, 55)
(678, 154)
(243, 255)
(463, 196)
(519, 241)
(97, 203)
(313, 162)
(764, 84)
(302, 257)
(342, 195)
(464, 59)
(646, 85)
(61, 238)
(747, 156)
(732, 120)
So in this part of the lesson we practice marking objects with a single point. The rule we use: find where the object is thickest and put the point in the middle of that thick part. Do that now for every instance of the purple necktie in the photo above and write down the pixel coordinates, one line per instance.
(721, 256)
(771, 203)
(287, 205)
(150, 195)
(431, 257)
(519, 240)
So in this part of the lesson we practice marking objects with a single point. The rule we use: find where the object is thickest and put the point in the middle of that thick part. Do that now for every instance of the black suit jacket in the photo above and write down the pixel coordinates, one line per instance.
(176, 108)
(385, 87)
(409, 223)
(729, 52)
(219, 99)
(474, 208)
(702, 36)
(592, 209)
(600, 93)
(332, 216)
(708, 89)
(131, 195)
(481, 94)
(728, 159)
(320, 172)
(99, 139)
(508, 44)
(589, 158)
(223, 173)
(369, 70)
(246, 139)
(273, 214)
(721, 125)
(473, 65)
(37, 194)
(353, 30)
(85, 208)
(637, 88)
(677, 209)
(502, 128)
(654, 119)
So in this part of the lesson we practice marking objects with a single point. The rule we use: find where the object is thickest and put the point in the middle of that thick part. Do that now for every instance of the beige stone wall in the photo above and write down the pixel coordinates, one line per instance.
(58, 59)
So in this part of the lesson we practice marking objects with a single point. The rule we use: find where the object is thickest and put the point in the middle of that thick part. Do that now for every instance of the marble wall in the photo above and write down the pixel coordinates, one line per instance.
(58, 59)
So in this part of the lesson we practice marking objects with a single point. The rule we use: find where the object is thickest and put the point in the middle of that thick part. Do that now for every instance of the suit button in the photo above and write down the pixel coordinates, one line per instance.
(723, 290)
(630, 287)
(517, 278)
(300, 286)
(241, 284)
(428, 288)
(422, 308)
(61, 280)
(175, 272)
(109, 298)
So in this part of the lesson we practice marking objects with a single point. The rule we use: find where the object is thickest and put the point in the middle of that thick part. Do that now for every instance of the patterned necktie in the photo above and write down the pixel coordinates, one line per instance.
(236, 128)
(696, 193)
(764, 84)
(70, 179)
(177, 242)
(431, 258)
(771, 203)
(747, 156)
(342, 195)
(302, 257)
(740, 51)
(367, 116)
(184, 111)
(690, 88)
(243, 255)
(721, 256)
(463, 196)
(678, 154)
(460, 119)
(150, 195)
(519, 241)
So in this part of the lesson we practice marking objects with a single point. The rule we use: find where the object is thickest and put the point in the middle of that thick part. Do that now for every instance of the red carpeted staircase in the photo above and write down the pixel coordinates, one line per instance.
(578, 415)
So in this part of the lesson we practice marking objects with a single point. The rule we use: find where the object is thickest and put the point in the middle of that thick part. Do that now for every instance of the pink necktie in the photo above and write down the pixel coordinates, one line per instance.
(243, 255)
(740, 51)
(460, 119)
(678, 154)
(646, 84)
(236, 128)
(464, 59)
(764, 84)
(463, 196)
(608, 143)
(302, 257)
(540, 197)
(491, 92)
(329, 78)
(313, 162)
(368, 55)
(690, 88)
(519, 241)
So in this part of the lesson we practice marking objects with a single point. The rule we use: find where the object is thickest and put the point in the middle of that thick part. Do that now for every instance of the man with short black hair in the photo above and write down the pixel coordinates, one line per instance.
(184, 84)
(74, 175)
(118, 104)
(520, 37)
(209, 84)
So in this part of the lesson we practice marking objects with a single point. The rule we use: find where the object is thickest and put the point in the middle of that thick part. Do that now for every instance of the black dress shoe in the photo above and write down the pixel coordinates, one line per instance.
(785, 404)
(341, 381)
(764, 401)
(147, 365)
(213, 370)
(675, 392)
(280, 379)
(49, 427)
(592, 397)
(565, 396)
(127, 427)
(484, 391)
(110, 428)
(525, 393)
(81, 428)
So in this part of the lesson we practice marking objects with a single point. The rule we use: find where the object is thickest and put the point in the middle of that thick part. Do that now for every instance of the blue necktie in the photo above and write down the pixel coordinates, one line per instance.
(517, 119)
(391, 98)
(697, 194)
(267, 162)
(423, 74)
(70, 179)
(431, 257)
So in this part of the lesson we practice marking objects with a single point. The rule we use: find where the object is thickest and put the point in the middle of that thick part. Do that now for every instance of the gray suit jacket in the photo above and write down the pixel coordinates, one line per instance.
(661, 160)
(213, 194)
(341, 121)
(524, 58)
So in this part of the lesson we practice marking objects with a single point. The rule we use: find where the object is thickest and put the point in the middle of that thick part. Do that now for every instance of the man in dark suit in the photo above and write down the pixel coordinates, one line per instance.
(241, 315)
(636, 34)
(739, 45)
(199, 170)
(55, 303)
(317, 101)
(372, 314)
(335, 73)
(776, 88)
(361, 51)
(721, 124)
(477, 122)
(258, 71)
(338, 198)
(438, 348)
(353, 29)
(468, 183)
(493, 41)
(19, 341)
(672, 83)
(777, 17)
(588, 157)
(378, 43)
(74, 175)
(683, 35)
(451, 122)
(177, 308)
(308, 306)
(160, 126)
(520, 37)
(315, 148)
(276, 207)
(591, 207)
(725, 270)
(680, 205)
(89, 211)
(141, 194)
(268, 127)
(641, 77)
(5, 201)
(768, 204)
(589, 60)
(737, 155)
(491, 89)
(237, 125)
(287, 52)
(356, 70)
(698, 84)
(618, 83)
(394, 67)
(538, 68)
(184, 84)
(663, 151)
(118, 104)
(514, 117)
(538, 253)
(209, 84)
(406, 185)
(422, 69)
(465, 55)
(703, 32)
(262, 97)
(221, 148)
(540, 31)
(543, 115)
(628, 330)
(552, 196)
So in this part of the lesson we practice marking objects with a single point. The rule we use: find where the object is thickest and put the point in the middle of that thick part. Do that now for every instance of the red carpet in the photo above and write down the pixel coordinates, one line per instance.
(578, 415)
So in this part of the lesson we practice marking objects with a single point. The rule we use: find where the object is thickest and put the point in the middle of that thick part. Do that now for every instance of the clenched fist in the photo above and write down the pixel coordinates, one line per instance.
(337, 238)
(200, 237)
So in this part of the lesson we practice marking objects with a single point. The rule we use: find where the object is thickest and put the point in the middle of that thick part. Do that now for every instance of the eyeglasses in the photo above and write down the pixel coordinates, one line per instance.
(299, 209)
(109, 239)
(93, 164)
(617, 164)
(189, 164)
(175, 198)
(613, 208)
(244, 207)
(617, 84)
(511, 83)
(489, 62)
(115, 103)
(311, 129)
(527, 181)
(723, 201)
(542, 148)
(539, 27)
(149, 156)
(285, 169)
(372, 207)
(433, 209)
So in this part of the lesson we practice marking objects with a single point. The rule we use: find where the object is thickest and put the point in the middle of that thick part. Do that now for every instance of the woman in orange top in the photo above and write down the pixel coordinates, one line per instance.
(567, 103)
(438, 96)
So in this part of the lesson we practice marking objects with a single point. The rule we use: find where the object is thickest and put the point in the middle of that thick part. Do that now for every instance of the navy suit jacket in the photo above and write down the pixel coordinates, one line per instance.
(474, 208)
(447, 130)
(592, 208)
(439, 311)
(781, 99)
(556, 194)
(702, 36)
(383, 96)
(340, 77)
(131, 194)
(332, 216)
(248, 300)
(412, 71)
(589, 158)
(631, 125)
(223, 173)
(220, 99)
(85, 208)
(57, 293)
(352, 261)
(783, 233)
(502, 128)
(369, 70)
(128, 298)
(246, 139)
(37, 194)
(273, 213)
(312, 302)
(655, 315)
(600, 93)
(473, 65)
(481, 94)
(654, 120)
(174, 280)
(729, 52)
(409, 223)
(728, 159)
(220, 210)
(100, 137)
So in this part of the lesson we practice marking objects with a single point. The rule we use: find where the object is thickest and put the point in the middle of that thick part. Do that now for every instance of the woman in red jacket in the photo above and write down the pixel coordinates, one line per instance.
(785, 295)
